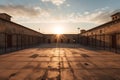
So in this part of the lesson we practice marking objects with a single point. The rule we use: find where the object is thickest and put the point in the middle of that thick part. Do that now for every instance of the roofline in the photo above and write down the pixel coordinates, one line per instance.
(6, 14)
(61, 34)
(115, 14)
(103, 25)
(20, 25)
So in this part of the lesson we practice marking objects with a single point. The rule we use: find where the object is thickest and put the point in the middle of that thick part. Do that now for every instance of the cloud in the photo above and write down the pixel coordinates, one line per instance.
(55, 2)
(97, 17)
(100, 16)
(27, 14)
(68, 5)
(23, 11)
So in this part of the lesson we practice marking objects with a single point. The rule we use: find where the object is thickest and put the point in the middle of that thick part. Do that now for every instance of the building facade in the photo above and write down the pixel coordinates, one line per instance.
(62, 38)
(14, 36)
(106, 35)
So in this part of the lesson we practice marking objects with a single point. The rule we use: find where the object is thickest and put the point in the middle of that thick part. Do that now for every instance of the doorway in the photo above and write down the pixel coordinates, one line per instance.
(61, 40)
(9, 41)
(55, 40)
(49, 41)
(114, 41)
(68, 41)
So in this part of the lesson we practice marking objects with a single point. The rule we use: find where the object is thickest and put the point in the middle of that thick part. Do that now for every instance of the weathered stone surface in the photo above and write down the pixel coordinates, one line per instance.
(59, 64)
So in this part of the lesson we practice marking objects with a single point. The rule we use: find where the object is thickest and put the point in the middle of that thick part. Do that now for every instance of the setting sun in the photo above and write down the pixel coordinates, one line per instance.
(58, 30)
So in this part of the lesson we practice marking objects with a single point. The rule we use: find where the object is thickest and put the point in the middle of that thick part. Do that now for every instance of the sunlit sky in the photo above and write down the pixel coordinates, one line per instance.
(47, 15)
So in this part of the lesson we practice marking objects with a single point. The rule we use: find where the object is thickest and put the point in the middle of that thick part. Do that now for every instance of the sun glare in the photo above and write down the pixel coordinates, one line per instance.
(58, 30)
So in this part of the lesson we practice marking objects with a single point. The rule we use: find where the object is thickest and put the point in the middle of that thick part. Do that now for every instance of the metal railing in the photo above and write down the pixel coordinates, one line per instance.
(13, 42)
(109, 42)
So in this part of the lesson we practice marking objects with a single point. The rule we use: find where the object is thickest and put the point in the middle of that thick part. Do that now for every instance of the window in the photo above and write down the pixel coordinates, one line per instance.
(100, 31)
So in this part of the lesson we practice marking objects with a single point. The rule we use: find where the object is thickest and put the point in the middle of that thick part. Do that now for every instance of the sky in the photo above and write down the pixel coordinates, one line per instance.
(46, 15)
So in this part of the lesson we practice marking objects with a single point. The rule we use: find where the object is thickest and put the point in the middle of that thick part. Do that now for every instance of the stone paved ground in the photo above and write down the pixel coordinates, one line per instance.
(60, 64)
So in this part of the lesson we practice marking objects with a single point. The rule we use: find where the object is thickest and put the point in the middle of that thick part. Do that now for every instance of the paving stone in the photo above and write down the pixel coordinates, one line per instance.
(102, 75)
(76, 65)
(7, 74)
(37, 75)
(54, 65)
(63, 59)
(18, 65)
(64, 65)
(59, 64)
(76, 59)
(83, 75)
(107, 64)
(53, 75)
(42, 59)
(88, 65)
(6, 65)
(22, 75)
(31, 65)
(55, 58)
(43, 65)
(66, 74)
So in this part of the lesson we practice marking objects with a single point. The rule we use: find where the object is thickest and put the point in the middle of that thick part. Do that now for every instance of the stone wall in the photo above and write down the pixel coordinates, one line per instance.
(63, 38)
(14, 36)
(106, 35)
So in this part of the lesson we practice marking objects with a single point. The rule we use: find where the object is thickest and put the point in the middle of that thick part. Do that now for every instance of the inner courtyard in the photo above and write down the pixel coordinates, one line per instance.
(60, 62)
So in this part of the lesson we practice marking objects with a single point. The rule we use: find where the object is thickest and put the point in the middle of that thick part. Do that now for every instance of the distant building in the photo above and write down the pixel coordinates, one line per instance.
(5, 16)
(14, 36)
(63, 38)
(83, 31)
(106, 35)
(116, 16)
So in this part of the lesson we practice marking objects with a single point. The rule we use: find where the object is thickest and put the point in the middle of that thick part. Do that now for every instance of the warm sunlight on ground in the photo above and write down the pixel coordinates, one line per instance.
(58, 30)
